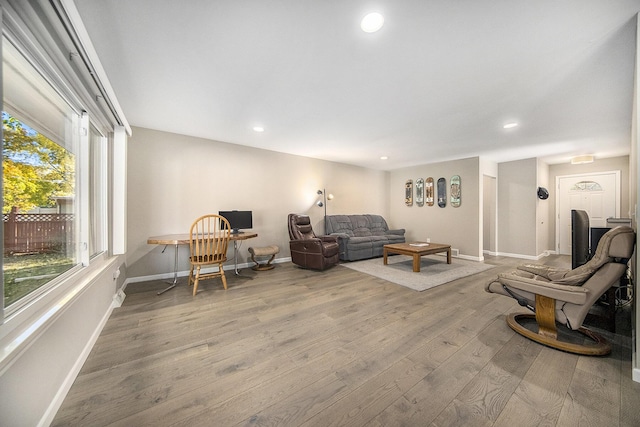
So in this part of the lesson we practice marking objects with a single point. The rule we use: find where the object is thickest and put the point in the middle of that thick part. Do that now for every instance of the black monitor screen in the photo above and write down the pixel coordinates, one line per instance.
(238, 220)
(579, 238)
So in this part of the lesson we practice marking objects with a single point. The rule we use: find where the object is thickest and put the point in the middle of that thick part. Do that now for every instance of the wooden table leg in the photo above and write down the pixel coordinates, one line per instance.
(449, 256)
(384, 255)
(416, 263)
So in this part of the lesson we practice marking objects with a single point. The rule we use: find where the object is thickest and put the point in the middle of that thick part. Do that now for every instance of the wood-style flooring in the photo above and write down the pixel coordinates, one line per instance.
(293, 347)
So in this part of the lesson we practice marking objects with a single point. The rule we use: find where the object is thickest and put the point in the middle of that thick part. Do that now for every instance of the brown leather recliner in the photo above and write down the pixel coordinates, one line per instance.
(309, 250)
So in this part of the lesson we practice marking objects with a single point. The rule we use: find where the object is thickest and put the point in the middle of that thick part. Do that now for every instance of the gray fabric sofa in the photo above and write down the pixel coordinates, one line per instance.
(361, 236)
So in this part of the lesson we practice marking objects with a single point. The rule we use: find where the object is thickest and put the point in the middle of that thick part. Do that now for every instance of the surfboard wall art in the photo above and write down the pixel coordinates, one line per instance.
(428, 191)
(408, 192)
(456, 191)
(442, 192)
(419, 191)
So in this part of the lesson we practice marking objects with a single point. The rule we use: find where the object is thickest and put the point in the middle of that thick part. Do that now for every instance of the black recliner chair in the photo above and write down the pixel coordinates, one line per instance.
(307, 249)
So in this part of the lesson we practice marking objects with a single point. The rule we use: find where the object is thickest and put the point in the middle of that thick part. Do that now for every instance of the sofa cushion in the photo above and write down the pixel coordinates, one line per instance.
(339, 224)
(377, 224)
(360, 240)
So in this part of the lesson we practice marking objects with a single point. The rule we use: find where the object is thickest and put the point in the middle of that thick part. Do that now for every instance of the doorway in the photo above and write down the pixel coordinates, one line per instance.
(596, 193)
(489, 215)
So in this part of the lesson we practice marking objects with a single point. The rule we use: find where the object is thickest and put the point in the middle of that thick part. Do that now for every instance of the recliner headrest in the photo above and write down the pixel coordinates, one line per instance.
(302, 220)
(300, 227)
(622, 241)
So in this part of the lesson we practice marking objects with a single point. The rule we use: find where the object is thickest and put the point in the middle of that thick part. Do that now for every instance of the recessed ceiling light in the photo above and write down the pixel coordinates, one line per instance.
(383, 157)
(510, 125)
(372, 22)
(258, 128)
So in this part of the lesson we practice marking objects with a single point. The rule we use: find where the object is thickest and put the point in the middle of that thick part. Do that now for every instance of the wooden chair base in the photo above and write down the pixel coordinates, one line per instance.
(263, 267)
(549, 336)
(194, 279)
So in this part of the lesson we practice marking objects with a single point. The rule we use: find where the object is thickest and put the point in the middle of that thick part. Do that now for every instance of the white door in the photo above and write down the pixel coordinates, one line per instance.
(598, 194)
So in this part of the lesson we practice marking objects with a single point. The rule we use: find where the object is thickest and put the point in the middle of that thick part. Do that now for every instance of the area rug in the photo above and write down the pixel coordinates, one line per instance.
(434, 270)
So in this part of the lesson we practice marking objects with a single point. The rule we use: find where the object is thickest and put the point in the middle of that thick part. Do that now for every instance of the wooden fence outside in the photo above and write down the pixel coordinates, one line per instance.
(36, 233)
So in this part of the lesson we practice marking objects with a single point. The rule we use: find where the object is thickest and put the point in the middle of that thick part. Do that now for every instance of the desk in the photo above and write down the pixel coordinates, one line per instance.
(183, 239)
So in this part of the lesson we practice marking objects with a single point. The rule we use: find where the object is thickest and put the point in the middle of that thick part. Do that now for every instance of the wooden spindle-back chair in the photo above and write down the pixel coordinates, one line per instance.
(208, 244)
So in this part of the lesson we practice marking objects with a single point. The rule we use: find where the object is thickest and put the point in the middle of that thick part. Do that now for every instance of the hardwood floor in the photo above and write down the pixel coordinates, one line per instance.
(292, 347)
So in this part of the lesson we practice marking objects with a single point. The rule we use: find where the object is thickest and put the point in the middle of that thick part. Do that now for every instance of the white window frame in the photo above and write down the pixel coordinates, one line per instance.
(101, 185)
(78, 82)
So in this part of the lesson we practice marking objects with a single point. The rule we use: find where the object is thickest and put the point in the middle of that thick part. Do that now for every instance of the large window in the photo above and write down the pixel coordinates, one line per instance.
(39, 180)
(54, 183)
(38, 217)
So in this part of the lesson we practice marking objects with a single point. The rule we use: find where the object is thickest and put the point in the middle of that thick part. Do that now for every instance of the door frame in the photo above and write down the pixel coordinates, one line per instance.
(618, 190)
(490, 214)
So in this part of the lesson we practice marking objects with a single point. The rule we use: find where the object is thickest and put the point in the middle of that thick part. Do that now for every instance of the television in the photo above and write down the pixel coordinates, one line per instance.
(579, 238)
(238, 220)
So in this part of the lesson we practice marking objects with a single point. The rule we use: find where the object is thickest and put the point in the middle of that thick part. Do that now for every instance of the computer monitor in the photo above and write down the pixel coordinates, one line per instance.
(579, 238)
(238, 220)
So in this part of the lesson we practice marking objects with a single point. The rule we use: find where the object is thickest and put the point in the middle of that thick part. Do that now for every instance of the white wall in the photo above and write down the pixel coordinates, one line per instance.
(460, 227)
(173, 179)
(34, 384)
(517, 208)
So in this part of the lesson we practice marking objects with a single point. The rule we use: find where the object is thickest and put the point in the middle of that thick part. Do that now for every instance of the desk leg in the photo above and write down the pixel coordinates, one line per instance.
(175, 271)
(235, 258)
(235, 261)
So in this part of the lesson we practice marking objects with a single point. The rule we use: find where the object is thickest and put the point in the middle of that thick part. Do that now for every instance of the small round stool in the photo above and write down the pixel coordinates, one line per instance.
(265, 251)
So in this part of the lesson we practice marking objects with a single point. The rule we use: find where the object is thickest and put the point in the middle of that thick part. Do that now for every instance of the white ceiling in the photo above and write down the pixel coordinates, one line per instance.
(436, 83)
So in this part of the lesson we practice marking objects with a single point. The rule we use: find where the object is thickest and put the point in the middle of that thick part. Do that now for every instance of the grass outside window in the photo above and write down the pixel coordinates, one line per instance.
(24, 273)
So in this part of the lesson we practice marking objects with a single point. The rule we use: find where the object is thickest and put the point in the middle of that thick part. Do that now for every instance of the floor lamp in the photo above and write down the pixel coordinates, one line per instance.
(323, 204)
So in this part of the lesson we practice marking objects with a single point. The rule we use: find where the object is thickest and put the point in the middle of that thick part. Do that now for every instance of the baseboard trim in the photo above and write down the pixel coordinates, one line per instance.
(462, 256)
(511, 255)
(71, 376)
(185, 273)
(530, 257)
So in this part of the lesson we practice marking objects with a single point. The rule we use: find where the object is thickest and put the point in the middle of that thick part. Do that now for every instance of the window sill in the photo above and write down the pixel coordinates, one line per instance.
(22, 328)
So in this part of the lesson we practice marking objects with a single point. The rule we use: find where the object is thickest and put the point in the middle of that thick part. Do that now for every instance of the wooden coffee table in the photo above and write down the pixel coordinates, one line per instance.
(416, 250)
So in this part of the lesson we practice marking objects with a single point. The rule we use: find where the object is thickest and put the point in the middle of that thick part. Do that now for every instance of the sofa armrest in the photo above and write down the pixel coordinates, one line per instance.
(398, 231)
(331, 239)
(340, 235)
